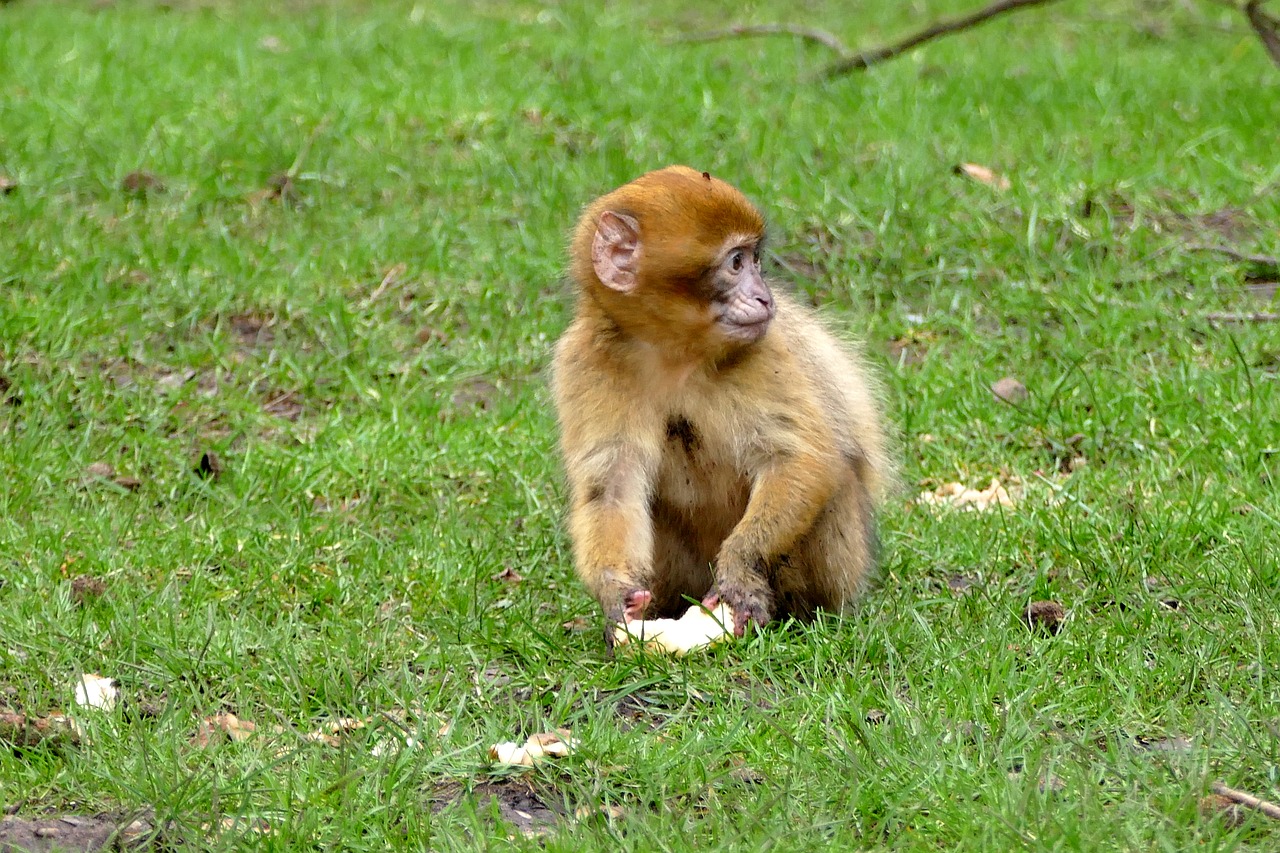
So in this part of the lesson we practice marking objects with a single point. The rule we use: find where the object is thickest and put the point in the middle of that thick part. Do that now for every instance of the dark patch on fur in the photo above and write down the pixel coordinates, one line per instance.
(735, 357)
(785, 421)
(870, 533)
(595, 493)
(679, 429)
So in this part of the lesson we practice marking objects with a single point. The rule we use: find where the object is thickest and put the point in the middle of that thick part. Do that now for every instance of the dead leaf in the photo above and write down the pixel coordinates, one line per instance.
(229, 725)
(1044, 616)
(7, 185)
(983, 175)
(272, 44)
(21, 730)
(85, 588)
(509, 575)
(577, 623)
(100, 469)
(142, 183)
(608, 811)
(283, 188)
(209, 467)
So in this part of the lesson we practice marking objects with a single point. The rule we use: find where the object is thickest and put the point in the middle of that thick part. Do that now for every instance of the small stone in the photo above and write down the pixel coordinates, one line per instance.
(1009, 390)
(100, 469)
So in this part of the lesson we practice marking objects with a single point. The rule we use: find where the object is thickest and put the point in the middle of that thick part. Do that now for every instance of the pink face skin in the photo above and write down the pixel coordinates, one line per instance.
(743, 305)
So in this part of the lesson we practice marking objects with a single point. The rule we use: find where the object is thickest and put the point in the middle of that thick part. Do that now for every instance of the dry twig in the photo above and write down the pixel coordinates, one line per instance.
(1242, 317)
(867, 58)
(747, 30)
(1271, 810)
(1267, 28)
(1235, 254)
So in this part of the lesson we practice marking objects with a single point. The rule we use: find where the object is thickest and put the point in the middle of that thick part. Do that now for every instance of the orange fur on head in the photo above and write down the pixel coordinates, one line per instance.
(685, 217)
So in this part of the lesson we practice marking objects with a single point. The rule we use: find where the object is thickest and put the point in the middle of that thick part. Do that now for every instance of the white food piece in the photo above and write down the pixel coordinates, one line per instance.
(694, 630)
(94, 691)
(555, 744)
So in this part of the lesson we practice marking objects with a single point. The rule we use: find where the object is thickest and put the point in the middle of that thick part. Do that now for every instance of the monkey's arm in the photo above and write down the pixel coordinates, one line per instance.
(798, 477)
(611, 453)
(609, 521)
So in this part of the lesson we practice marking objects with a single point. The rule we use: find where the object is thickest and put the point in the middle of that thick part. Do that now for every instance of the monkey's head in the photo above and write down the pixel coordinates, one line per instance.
(674, 259)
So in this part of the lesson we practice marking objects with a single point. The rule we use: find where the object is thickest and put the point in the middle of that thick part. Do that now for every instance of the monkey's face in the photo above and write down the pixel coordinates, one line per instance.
(741, 305)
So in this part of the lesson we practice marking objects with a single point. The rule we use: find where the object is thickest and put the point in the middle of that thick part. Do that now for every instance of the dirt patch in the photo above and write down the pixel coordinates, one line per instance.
(476, 394)
(73, 833)
(518, 804)
(253, 330)
(1231, 224)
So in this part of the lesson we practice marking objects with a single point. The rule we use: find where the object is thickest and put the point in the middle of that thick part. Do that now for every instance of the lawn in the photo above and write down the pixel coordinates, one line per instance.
(278, 285)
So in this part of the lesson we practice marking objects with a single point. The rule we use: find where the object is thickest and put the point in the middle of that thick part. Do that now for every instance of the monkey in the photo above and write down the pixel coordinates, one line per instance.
(720, 445)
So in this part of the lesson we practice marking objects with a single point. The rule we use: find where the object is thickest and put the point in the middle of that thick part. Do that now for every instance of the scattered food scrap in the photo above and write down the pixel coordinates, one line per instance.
(960, 496)
(94, 691)
(983, 175)
(698, 627)
(331, 733)
(543, 745)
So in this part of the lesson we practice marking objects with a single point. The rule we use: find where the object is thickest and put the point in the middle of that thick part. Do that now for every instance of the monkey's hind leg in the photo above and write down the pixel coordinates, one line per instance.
(834, 562)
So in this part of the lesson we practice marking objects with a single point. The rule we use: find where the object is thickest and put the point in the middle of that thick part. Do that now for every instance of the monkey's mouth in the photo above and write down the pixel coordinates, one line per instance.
(748, 331)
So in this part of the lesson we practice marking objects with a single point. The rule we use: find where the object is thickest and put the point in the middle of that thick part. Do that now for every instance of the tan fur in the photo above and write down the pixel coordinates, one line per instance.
(698, 467)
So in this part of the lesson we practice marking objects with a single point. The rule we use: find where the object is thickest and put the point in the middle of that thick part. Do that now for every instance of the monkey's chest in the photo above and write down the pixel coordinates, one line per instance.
(700, 480)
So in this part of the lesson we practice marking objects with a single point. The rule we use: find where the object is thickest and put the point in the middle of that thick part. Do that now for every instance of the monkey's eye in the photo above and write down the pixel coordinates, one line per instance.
(736, 261)
(756, 257)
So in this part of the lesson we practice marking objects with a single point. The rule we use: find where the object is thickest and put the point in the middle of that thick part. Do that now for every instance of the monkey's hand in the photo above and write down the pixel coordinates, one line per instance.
(749, 599)
(631, 609)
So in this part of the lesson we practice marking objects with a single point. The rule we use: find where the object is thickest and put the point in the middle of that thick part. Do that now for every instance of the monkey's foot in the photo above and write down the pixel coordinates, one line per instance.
(695, 629)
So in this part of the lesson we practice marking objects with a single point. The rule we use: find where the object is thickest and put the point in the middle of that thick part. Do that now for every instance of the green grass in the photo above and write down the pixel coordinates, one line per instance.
(387, 445)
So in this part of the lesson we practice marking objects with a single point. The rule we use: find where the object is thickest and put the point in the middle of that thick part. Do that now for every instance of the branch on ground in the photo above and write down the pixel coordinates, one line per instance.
(867, 58)
(1267, 28)
(812, 34)
(1242, 317)
(849, 61)
(1271, 810)
(1236, 255)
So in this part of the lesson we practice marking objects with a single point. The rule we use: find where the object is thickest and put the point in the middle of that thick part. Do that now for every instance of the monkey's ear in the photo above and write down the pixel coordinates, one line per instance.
(615, 251)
